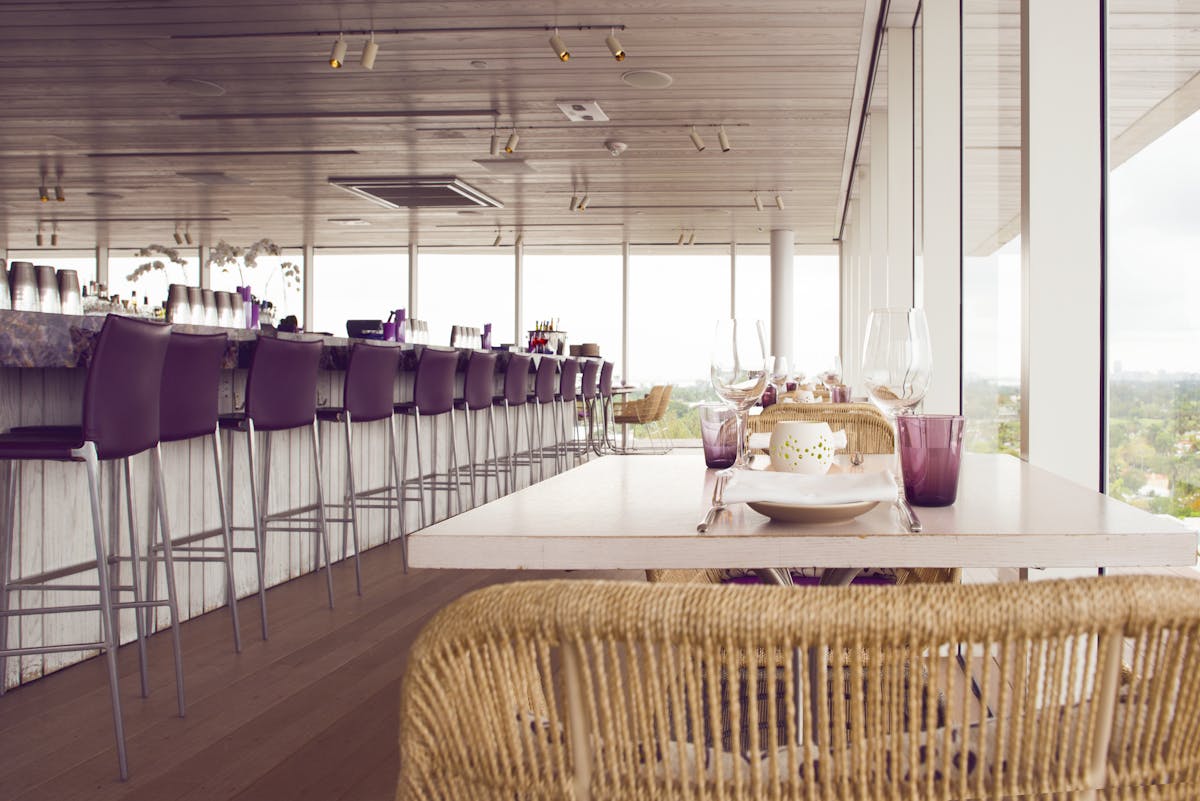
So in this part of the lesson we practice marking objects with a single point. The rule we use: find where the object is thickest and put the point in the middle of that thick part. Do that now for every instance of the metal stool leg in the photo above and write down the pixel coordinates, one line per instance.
(491, 434)
(259, 553)
(452, 466)
(226, 540)
(10, 503)
(421, 469)
(135, 569)
(467, 413)
(324, 532)
(353, 508)
(106, 624)
(160, 494)
(398, 479)
(264, 510)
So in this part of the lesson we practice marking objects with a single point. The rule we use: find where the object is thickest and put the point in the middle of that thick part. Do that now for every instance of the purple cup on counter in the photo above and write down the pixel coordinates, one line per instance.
(389, 332)
(718, 433)
(839, 393)
(930, 455)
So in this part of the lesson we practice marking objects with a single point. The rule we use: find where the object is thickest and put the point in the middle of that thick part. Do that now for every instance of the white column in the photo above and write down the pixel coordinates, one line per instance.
(941, 266)
(1062, 260)
(205, 269)
(412, 280)
(900, 167)
(625, 312)
(102, 264)
(306, 285)
(518, 289)
(732, 279)
(878, 177)
(783, 249)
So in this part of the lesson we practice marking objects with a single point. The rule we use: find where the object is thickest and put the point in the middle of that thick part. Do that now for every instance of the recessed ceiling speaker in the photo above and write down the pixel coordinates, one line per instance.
(647, 79)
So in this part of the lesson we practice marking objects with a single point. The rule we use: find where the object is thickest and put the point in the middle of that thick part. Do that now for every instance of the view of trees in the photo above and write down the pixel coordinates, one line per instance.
(1154, 444)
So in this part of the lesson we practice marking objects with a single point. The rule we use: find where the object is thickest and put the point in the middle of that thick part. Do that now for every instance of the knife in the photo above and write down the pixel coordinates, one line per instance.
(910, 517)
(718, 503)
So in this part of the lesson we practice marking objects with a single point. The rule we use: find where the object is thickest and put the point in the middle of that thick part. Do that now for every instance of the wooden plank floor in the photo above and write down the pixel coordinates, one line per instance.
(311, 713)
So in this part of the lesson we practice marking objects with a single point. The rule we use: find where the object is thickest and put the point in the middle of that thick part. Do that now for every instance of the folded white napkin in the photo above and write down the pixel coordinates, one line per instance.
(759, 441)
(801, 490)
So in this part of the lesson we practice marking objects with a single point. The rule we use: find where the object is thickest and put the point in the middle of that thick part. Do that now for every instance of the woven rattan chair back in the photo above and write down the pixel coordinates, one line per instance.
(867, 430)
(619, 690)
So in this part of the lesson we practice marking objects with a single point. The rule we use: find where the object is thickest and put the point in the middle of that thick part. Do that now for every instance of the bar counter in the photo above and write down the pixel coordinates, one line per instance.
(42, 370)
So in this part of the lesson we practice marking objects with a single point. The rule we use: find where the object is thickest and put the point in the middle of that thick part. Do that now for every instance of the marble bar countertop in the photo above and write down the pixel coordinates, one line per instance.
(39, 340)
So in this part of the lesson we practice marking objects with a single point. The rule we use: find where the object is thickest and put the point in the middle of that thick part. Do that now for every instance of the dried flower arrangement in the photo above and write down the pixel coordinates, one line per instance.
(224, 255)
(149, 252)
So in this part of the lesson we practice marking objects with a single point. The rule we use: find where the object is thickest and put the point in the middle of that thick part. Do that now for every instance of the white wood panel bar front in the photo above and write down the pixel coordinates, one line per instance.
(639, 513)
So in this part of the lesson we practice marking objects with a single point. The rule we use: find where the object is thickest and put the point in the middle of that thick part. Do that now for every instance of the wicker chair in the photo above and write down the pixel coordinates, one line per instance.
(648, 412)
(867, 430)
(618, 690)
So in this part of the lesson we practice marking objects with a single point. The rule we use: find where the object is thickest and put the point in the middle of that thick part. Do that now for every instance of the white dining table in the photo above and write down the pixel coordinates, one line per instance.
(640, 512)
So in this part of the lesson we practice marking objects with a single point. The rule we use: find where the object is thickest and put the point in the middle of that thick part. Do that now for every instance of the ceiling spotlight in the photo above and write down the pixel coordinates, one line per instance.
(779, 202)
(43, 194)
(187, 236)
(560, 47)
(574, 202)
(757, 202)
(614, 46)
(370, 50)
(583, 204)
(338, 55)
(511, 145)
(520, 240)
(696, 140)
(496, 242)
(692, 238)
(723, 139)
(681, 239)
(59, 194)
(178, 236)
(495, 145)
(54, 237)
(40, 241)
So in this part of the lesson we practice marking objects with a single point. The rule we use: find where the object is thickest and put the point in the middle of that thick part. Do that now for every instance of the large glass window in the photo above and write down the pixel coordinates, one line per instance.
(991, 287)
(752, 284)
(675, 300)
(816, 305)
(579, 288)
(357, 285)
(467, 287)
(1153, 239)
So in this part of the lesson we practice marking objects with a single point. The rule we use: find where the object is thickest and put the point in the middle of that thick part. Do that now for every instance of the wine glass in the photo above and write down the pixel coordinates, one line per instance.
(779, 375)
(897, 365)
(739, 371)
(831, 376)
(897, 359)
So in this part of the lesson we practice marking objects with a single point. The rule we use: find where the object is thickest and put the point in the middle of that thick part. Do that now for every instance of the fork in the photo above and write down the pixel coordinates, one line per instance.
(718, 503)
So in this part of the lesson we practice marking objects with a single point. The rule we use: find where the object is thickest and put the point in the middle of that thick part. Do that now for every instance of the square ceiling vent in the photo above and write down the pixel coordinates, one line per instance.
(411, 192)
(582, 110)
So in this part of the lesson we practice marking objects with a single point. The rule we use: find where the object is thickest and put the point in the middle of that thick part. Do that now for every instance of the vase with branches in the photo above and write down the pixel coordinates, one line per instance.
(245, 260)
(156, 263)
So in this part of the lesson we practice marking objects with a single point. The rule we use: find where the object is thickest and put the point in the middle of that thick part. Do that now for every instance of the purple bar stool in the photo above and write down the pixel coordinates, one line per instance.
(368, 395)
(433, 396)
(568, 378)
(120, 420)
(516, 388)
(281, 395)
(587, 391)
(478, 390)
(188, 408)
(606, 396)
(544, 391)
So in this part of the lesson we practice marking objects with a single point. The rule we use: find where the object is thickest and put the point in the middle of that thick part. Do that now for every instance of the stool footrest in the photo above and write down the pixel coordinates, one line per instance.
(54, 649)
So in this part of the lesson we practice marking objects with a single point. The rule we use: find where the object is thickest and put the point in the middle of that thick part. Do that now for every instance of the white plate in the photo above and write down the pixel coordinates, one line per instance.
(808, 513)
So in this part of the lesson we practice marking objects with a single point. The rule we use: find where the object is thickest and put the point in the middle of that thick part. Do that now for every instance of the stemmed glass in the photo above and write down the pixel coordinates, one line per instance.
(831, 376)
(779, 376)
(739, 372)
(897, 364)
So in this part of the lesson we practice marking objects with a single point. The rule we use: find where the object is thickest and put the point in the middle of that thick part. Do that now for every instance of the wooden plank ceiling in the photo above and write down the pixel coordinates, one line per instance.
(92, 88)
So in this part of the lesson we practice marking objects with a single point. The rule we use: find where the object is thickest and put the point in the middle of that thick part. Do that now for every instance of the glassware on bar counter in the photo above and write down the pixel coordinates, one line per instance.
(739, 370)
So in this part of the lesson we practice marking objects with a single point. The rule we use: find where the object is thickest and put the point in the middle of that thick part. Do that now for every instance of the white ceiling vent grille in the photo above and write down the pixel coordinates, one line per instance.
(582, 110)
(397, 192)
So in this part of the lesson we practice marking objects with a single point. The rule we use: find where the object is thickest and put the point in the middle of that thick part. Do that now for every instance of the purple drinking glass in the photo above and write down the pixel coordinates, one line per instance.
(839, 393)
(930, 454)
(718, 432)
